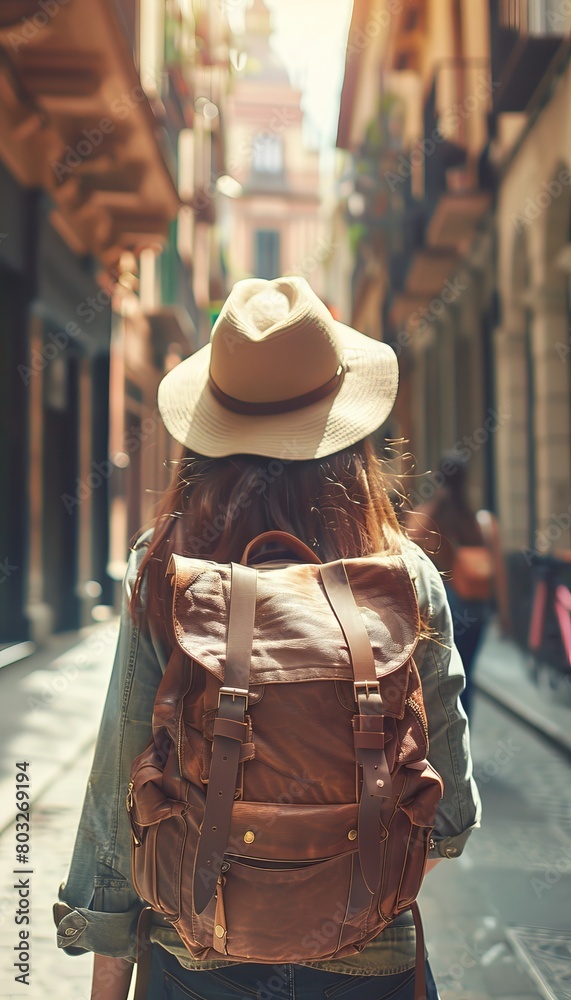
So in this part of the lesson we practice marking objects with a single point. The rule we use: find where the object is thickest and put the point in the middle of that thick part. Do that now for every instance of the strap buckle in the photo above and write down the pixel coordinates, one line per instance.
(235, 693)
(373, 686)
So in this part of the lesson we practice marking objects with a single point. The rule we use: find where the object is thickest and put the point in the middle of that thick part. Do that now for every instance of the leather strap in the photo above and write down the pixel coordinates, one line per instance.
(144, 954)
(369, 735)
(284, 538)
(220, 938)
(357, 907)
(338, 590)
(420, 969)
(229, 733)
(279, 405)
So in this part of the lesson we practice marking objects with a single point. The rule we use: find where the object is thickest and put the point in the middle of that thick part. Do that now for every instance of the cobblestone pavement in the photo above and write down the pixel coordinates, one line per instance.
(498, 920)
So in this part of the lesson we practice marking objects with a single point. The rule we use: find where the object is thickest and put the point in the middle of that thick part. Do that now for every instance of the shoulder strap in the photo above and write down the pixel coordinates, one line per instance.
(368, 733)
(230, 731)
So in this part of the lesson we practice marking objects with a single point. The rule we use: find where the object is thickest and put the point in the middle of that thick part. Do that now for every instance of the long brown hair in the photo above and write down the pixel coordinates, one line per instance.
(337, 505)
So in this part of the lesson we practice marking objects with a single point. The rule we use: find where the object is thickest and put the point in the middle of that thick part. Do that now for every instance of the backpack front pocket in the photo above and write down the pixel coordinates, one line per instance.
(159, 835)
(408, 839)
(277, 855)
(262, 904)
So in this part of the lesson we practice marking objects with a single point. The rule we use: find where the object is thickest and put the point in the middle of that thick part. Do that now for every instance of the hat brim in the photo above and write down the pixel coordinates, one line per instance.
(363, 401)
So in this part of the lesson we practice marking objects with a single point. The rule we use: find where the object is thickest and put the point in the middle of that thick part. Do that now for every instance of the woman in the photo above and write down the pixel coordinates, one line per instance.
(441, 526)
(275, 416)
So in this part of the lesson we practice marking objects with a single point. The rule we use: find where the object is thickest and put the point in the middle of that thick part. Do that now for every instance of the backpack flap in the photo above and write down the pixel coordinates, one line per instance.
(297, 636)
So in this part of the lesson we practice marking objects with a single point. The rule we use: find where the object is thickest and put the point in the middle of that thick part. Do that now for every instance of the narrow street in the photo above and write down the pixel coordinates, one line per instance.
(495, 920)
(246, 246)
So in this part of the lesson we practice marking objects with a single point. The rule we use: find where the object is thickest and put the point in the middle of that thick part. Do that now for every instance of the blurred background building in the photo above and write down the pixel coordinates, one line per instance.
(457, 190)
(111, 129)
(274, 221)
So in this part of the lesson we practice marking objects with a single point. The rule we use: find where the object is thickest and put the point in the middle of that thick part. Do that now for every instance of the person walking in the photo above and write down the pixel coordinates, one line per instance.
(447, 529)
(275, 416)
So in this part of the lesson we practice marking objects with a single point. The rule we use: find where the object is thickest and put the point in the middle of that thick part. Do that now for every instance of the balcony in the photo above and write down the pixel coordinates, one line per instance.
(75, 121)
(526, 40)
(529, 60)
(455, 121)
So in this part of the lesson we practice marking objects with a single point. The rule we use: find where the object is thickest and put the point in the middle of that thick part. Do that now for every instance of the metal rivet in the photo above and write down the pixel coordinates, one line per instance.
(219, 931)
(249, 837)
(380, 783)
(352, 835)
(69, 931)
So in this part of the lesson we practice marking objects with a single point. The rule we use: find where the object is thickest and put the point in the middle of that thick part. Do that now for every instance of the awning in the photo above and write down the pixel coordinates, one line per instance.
(171, 325)
(455, 218)
(525, 68)
(75, 120)
(429, 270)
(406, 310)
(69, 298)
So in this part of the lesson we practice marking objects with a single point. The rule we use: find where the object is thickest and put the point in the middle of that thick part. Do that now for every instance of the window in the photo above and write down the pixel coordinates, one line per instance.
(267, 153)
(536, 17)
(266, 253)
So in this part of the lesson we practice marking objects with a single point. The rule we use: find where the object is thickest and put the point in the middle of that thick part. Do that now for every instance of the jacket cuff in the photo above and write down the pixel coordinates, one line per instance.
(113, 934)
(449, 847)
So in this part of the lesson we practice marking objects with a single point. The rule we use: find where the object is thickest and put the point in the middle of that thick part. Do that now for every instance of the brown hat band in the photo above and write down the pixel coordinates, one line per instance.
(280, 405)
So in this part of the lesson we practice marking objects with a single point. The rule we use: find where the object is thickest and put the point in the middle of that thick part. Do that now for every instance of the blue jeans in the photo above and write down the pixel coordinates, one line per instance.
(248, 981)
(469, 619)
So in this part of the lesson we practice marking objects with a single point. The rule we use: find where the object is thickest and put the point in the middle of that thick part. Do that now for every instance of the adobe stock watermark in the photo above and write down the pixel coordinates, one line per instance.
(321, 252)
(70, 665)
(505, 752)
(422, 318)
(57, 342)
(256, 485)
(294, 793)
(534, 206)
(7, 570)
(463, 622)
(552, 874)
(558, 20)
(281, 118)
(449, 121)
(101, 471)
(545, 537)
(469, 958)
(562, 347)
(323, 936)
(91, 138)
(39, 360)
(360, 38)
(30, 26)
(463, 449)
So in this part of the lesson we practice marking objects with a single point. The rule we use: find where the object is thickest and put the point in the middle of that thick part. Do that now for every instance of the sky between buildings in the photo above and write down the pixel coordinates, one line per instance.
(311, 37)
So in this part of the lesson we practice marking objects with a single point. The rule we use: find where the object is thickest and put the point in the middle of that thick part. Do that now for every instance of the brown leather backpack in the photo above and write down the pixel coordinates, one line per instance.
(283, 810)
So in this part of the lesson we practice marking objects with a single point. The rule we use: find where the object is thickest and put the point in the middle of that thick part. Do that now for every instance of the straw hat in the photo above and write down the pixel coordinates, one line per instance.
(280, 377)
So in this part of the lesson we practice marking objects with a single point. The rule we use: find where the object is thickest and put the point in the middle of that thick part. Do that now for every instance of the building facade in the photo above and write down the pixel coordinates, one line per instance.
(274, 222)
(532, 147)
(105, 263)
(460, 198)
